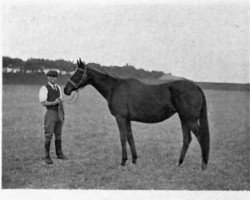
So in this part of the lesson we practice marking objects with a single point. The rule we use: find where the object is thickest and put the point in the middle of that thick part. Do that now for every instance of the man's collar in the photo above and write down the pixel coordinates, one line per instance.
(52, 84)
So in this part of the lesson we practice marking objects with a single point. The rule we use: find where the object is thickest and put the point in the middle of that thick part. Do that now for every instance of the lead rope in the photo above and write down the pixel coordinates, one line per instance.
(69, 101)
(77, 92)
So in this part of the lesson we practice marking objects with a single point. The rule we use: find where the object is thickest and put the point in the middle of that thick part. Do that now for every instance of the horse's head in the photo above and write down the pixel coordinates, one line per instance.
(78, 80)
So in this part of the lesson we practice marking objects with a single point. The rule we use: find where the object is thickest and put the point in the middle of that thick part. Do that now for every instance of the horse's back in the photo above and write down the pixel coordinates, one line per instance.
(162, 80)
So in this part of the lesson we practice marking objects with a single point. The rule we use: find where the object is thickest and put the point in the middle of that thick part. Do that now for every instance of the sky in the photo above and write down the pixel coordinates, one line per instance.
(200, 40)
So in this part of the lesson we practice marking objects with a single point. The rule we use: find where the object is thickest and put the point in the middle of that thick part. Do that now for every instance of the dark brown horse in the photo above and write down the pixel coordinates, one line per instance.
(131, 100)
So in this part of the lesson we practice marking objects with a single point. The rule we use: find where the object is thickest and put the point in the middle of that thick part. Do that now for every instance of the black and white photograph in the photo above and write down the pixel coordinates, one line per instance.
(125, 99)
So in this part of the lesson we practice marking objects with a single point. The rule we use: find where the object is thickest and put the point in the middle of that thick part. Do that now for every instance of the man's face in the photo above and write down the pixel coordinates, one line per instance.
(52, 79)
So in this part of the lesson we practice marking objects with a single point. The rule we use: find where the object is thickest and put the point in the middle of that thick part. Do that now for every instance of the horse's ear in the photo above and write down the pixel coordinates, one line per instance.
(81, 64)
(80, 61)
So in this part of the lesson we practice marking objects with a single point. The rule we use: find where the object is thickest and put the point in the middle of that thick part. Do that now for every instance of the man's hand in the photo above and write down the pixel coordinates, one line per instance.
(57, 101)
(61, 100)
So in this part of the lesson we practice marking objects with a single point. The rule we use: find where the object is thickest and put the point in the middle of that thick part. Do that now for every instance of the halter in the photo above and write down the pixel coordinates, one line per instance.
(83, 77)
(76, 85)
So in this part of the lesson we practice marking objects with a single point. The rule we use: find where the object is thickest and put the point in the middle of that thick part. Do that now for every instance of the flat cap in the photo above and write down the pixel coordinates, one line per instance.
(52, 73)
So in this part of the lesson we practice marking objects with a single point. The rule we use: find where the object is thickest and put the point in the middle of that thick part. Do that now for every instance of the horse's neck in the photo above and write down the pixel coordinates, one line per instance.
(103, 83)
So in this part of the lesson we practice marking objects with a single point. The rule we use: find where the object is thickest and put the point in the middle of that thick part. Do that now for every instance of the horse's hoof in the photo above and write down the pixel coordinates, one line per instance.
(134, 162)
(123, 162)
(204, 166)
(179, 163)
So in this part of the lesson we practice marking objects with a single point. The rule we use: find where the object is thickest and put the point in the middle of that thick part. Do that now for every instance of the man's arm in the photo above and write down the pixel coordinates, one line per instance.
(52, 103)
(61, 97)
(43, 98)
(60, 91)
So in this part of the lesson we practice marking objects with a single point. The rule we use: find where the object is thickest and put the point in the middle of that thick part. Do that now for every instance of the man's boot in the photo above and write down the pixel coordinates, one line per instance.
(47, 153)
(58, 145)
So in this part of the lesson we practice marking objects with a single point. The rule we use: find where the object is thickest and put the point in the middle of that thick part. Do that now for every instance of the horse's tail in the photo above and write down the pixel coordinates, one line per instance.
(204, 131)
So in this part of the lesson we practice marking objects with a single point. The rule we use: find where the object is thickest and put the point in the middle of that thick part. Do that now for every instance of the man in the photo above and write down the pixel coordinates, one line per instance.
(50, 96)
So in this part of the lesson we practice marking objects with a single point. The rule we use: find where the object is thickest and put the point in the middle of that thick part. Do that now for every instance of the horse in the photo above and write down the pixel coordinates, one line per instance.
(132, 100)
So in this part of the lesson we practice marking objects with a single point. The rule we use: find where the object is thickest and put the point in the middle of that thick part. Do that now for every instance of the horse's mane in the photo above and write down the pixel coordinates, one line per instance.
(110, 71)
(104, 70)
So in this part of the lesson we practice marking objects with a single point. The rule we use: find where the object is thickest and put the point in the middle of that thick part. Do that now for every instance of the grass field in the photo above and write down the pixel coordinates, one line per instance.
(91, 141)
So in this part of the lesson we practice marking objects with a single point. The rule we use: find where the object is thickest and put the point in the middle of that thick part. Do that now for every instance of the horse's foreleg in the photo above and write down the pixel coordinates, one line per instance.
(186, 140)
(122, 129)
(131, 142)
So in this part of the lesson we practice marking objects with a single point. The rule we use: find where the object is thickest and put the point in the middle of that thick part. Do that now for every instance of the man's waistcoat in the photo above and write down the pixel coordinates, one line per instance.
(52, 96)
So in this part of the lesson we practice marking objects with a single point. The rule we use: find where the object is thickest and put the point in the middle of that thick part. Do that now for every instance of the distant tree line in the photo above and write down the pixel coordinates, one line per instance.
(35, 65)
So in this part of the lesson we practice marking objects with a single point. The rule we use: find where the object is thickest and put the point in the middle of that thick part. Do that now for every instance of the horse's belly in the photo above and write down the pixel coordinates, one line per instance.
(151, 114)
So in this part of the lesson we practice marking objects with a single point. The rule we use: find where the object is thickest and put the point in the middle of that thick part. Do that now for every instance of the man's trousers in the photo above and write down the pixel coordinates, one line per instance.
(52, 124)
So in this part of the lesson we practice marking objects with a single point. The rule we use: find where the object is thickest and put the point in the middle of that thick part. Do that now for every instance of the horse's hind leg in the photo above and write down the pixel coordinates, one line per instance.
(186, 140)
(131, 142)
(195, 128)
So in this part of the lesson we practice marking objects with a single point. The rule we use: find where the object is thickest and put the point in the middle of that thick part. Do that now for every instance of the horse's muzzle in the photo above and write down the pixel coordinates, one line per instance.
(67, 91)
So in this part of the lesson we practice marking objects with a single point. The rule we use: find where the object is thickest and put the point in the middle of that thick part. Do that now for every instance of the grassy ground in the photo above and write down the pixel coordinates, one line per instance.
(91, 141)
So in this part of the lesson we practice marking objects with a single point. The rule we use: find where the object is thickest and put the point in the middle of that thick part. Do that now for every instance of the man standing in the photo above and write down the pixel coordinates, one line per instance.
(50, 96)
